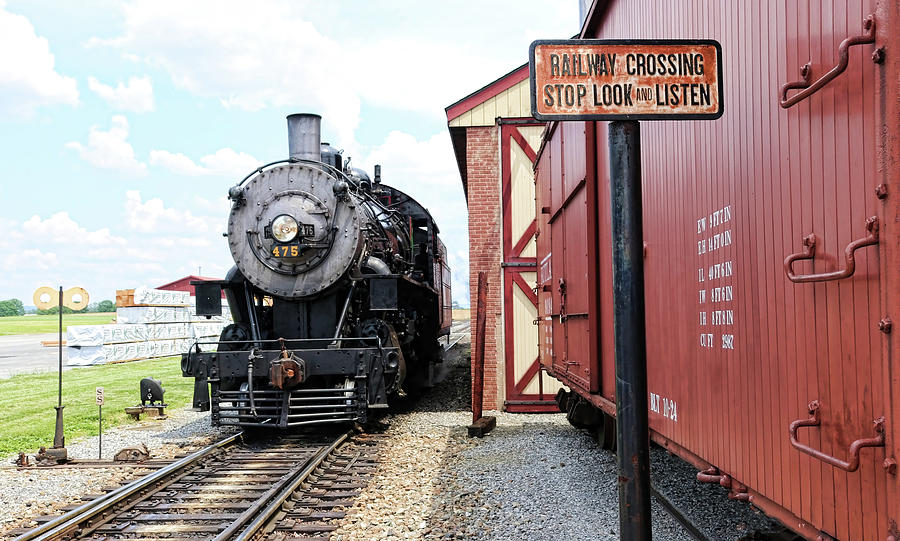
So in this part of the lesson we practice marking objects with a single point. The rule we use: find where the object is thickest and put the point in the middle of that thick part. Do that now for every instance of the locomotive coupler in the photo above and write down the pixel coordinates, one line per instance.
(288, 370)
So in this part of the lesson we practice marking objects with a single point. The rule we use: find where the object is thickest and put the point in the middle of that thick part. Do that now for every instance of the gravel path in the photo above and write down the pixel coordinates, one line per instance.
(533, 477)
(33, 492)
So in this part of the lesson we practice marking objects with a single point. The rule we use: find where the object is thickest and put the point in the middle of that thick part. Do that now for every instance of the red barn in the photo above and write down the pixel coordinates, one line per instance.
(184, 284)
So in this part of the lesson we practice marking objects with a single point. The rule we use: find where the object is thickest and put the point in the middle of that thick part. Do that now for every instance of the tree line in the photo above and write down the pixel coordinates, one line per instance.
(14, 307)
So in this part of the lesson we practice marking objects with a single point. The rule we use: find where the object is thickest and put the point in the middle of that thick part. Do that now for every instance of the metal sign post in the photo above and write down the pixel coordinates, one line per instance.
(45, 298)
(625, 81)
(59, 439)
(632, 425)
(100, 419)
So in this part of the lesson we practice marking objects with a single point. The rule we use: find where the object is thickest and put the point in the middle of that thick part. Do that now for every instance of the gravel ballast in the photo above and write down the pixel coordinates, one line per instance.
(533, 477)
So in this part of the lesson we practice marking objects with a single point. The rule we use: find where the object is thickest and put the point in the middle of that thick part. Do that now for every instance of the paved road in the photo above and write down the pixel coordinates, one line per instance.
(24, 353)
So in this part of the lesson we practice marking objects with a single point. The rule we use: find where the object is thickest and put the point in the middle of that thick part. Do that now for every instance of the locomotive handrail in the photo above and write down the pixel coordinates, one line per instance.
(275, 341)
(809, 252)
(855, 447)
(843, 60)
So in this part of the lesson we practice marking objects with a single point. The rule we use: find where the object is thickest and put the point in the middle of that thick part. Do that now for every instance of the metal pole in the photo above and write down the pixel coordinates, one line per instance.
(632, 430)
(60, 343)
(59, 439)
(100, 441)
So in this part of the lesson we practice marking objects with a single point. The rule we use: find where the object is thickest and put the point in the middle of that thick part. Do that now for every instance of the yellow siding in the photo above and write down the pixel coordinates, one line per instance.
(514, 102)
(532, 134)
(525, 350)
(530, 249)
(522, 178)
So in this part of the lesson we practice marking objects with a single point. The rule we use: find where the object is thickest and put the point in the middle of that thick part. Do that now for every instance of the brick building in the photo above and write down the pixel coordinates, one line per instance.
(495, 141)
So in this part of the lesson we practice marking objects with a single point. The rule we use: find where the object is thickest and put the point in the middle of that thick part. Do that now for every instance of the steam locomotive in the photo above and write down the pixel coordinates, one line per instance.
(339, 293)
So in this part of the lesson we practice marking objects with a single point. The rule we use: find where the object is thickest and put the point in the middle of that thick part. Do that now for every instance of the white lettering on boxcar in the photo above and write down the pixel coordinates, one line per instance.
(720, 217)
(720, 270)
(721, 294)
(666, 407)
(714, 235)
(727, 341)
(719, 241)
(722, 317)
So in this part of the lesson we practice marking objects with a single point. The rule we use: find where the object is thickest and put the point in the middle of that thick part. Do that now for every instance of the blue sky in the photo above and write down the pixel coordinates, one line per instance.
(122, 124)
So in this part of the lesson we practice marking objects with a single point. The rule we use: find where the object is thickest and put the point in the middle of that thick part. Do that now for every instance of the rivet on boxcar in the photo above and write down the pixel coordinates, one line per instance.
(886, 325)
(881, 191)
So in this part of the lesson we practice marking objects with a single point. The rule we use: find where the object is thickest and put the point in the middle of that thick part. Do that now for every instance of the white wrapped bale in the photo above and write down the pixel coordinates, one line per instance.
(84, 355)
(211, 329)
(113, 353)
(160, 297)
(118, 334)
(168, 331)
(152, 314)
(85, 335)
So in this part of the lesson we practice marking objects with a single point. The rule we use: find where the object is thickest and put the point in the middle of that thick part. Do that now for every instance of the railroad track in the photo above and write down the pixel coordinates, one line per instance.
(458, 331)
(290, 488)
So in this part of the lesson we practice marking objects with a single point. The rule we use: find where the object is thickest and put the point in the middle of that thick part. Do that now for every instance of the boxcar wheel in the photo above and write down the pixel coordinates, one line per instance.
(606, 432)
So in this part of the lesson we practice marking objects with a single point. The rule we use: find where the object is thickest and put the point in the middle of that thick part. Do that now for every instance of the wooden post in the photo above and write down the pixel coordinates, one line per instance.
(480, 425)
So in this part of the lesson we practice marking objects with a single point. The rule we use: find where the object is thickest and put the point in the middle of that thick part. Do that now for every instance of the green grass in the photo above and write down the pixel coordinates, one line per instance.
(27, 417)
(50, 323)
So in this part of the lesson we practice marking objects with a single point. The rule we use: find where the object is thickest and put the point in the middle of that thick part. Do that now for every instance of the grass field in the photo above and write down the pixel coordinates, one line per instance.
(27, 417)
(50, 323)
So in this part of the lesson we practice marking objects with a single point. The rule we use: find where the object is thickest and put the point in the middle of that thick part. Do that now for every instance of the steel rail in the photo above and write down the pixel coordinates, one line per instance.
(676, 513)
(260, 515)
(69, 521)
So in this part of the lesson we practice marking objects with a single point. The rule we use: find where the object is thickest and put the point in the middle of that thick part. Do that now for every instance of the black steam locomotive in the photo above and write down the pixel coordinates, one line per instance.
(339, 293)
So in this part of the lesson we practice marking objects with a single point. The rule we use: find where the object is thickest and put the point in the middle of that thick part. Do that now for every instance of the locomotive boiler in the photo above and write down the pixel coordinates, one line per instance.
(339, 292)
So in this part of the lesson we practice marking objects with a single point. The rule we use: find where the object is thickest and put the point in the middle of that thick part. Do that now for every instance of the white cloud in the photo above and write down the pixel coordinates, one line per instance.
(176, 163)
(249, 56)
(110, 149)
(28, 76)
(154, 243)
(60, 228)
(31, 258)
(225, 162)
(153, 216)
(136, 96)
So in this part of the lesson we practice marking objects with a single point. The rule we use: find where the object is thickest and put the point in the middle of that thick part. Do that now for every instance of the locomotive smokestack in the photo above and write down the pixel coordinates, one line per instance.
(305, 136)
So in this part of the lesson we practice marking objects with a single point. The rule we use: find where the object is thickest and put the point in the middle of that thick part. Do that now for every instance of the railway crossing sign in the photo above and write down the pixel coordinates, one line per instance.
(598, 79)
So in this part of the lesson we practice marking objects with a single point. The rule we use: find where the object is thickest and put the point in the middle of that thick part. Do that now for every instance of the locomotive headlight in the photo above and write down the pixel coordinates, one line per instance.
(284, 228)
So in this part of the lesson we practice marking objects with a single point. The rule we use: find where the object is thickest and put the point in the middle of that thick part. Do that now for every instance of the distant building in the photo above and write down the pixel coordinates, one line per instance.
(184, 284)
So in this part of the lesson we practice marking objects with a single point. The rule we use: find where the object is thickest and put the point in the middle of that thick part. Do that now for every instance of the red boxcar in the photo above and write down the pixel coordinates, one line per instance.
(741, 342)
